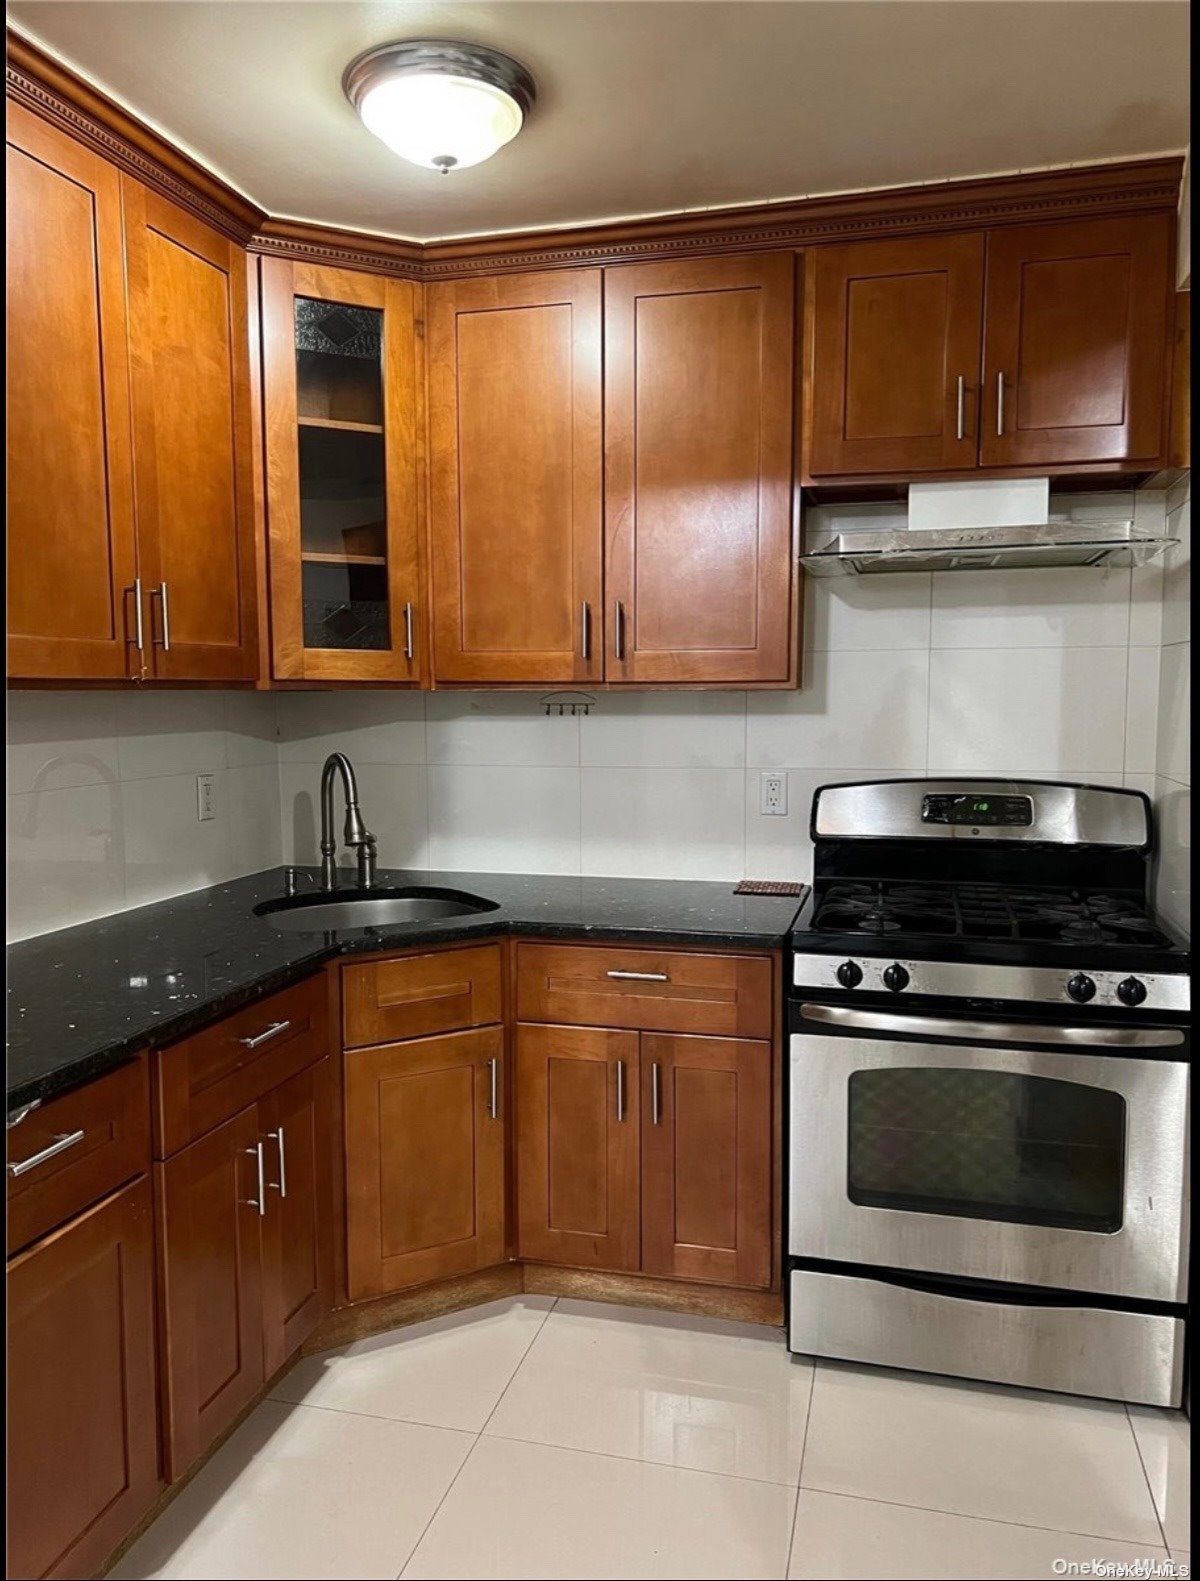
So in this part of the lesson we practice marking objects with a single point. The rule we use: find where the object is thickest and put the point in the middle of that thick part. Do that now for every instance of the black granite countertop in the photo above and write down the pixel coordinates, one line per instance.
(83, 999)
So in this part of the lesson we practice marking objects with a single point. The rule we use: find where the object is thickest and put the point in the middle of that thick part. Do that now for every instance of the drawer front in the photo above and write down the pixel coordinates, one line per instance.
(415, 996)
(72, 1151)
(207, 1078)
(650, 990)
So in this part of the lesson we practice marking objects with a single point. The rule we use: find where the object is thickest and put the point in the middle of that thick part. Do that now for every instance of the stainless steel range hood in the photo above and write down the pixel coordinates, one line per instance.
(861, 553)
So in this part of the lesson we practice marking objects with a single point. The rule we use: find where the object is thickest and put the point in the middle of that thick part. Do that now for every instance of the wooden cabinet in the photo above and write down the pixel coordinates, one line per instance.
(424, 1160)
(414, 996)
(577, 1160)
(342, 419)
(83, 1463)
(698, 380)
(192, 441)
(1075, 342)
(1032, 346)
(893, 338)
(706, 1159)
(515, 478)
(72, 558)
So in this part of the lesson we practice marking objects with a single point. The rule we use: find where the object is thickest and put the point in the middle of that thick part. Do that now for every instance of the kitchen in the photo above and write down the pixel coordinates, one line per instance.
(599, 792)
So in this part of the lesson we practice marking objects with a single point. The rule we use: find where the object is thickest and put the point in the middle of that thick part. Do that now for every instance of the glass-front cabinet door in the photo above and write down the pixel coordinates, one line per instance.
(341, 415)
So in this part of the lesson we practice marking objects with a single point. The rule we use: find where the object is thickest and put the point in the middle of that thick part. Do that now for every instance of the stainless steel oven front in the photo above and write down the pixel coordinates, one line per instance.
(1027, 1154)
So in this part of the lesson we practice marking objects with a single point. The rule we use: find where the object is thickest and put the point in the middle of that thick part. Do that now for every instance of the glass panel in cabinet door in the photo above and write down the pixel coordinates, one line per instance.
(987, 1145)
(343, 491)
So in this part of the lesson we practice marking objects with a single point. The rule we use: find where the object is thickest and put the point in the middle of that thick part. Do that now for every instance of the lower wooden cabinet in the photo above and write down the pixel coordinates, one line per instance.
(645, 1152)
(83, 1461)
(577, 1149)
(246, 1224)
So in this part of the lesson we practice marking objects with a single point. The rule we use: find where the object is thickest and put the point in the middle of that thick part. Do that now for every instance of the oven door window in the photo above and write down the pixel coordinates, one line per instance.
(983, 1144)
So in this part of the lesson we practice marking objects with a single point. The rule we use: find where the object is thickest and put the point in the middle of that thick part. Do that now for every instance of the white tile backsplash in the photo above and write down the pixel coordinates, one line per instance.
(1075, 674)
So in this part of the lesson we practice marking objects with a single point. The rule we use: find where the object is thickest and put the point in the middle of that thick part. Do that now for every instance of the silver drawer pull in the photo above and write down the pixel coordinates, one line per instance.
(256, 1152)
(620, 1089)
(640, 977)
(1000, 405)
(272, 1031)
(959, 427)
(59, 1145)
(409, 649)
(585, 631)
(281, 1185)
(619, 630)
(656, 1093)
(493, 1089)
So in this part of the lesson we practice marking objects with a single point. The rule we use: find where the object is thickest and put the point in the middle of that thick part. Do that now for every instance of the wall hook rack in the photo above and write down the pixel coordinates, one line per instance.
(568, 703)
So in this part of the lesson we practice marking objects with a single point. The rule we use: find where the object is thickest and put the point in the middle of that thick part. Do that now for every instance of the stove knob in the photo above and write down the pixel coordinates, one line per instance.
(1081, 988)
(849, 974)
(1131, 991)
(895, 977)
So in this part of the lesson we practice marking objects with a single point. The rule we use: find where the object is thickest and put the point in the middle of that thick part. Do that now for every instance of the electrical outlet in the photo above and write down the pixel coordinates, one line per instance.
(772, 795)
(206, 797)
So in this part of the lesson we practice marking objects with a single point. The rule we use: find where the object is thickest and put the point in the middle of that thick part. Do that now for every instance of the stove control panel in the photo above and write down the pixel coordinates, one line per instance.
(978, 811)
(1047, 985)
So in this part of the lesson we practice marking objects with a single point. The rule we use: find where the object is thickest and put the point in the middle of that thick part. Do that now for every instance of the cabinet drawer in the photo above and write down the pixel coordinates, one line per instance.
(208, 1077)
(651, 990)
(415, 996)
(108, 1121)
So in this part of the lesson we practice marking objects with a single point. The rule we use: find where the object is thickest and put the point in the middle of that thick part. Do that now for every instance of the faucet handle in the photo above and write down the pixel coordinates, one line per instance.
(366, 862)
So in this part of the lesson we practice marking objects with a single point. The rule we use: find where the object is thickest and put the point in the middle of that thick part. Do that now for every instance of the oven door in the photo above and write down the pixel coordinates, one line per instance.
(962, 1149)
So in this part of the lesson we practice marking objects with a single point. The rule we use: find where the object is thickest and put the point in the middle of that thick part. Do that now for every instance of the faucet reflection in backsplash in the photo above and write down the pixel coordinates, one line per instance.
(355, 834)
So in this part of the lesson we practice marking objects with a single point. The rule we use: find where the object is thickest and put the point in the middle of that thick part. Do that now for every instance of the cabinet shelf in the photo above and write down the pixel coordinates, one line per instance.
(341, 424)
(315, 557)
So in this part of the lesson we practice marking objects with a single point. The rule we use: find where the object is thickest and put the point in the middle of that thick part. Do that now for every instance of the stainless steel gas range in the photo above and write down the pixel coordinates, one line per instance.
(989, 1074)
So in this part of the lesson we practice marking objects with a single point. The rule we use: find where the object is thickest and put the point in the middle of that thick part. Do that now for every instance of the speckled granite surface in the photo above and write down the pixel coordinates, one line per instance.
(81, 1000)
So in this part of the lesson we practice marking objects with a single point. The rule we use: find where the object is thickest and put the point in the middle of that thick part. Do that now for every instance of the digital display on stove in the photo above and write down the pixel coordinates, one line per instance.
(979, 811)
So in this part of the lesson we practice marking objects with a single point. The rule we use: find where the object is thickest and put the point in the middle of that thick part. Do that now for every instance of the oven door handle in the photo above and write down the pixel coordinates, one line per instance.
(914, 1024)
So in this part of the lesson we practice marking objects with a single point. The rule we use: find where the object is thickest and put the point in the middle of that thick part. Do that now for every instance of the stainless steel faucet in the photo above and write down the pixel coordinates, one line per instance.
(356, 834)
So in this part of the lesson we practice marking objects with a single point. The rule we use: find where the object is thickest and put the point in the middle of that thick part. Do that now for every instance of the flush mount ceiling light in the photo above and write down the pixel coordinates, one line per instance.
(440, 105)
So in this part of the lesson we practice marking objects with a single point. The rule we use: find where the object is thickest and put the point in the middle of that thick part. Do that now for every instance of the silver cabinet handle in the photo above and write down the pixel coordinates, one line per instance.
(22, 1113)
(640, 977)
(656, 1093)
(585, 630)
(277, 1138)
(620, 1089)
(619, 629)
(272, 1031)
(59, 1145)
(139, 626)
(408, 631)
(999, 404)
(962, 396)
(260, 1203)
(493, 1089)
(165, 640)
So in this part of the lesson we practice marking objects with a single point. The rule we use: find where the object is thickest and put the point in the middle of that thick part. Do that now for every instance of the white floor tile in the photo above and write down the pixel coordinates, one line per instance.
(1165, 1441)
(968, 1449)
(681, 1391)
(303, 1493)
(839, 1537)
(448, 1372)
(527, 1511)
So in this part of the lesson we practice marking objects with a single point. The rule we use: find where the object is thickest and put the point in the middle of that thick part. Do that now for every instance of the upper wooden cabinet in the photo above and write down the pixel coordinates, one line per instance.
(893, 344)
(1035, 346)
(515, 478)
(192, 440)
(698, 379)
(1075, 342)
(342, 419)
(71, 550)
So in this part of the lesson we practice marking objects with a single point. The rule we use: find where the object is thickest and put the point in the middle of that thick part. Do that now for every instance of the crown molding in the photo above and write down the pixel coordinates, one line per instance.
(1076, 192)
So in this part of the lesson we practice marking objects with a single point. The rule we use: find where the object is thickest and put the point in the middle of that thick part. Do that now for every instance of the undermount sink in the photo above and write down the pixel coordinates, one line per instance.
(323, 912)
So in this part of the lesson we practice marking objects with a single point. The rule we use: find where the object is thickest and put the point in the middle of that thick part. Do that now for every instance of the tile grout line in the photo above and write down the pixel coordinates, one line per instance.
(520, 1364)
(1146, 1476)
(638, 1460)
(812, 1389)
(478, 1436)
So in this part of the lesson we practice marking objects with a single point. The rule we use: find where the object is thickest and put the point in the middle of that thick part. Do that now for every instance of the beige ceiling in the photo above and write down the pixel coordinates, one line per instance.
(643, 107)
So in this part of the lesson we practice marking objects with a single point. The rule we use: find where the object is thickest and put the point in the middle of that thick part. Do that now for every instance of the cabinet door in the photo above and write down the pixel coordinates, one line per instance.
(892, 360)
(698, 379)
(706, 1159)
(342, 418)
(211, 1284)
(1075, 346)
(71, 555)
(577, 1146)
(515, 478)
(298, 1228)
(191, 441)
(424, 1160)
(82, 1410)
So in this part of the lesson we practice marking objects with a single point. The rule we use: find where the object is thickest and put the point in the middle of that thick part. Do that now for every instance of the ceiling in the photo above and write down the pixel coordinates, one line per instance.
(645, 106)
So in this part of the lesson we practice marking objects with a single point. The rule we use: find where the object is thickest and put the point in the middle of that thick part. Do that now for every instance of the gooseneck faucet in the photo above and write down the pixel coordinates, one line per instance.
(356, 834)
